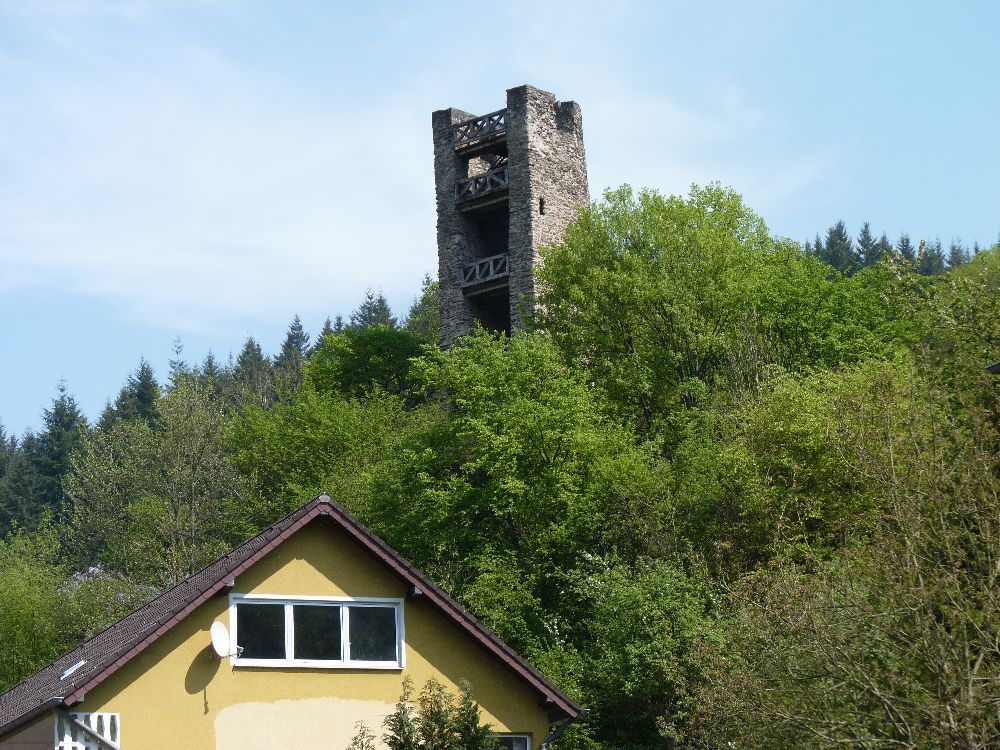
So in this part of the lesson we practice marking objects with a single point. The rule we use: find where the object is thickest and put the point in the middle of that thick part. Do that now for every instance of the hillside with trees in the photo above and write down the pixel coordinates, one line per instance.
(730, 491)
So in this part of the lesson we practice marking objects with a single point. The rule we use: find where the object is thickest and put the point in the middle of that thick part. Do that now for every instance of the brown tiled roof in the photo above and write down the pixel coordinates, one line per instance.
(113, 647)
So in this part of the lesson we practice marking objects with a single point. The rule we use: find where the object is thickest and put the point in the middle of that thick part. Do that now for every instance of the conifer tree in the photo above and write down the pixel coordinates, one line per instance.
(818, 247)
(867, 246)
(327, 330)
(957, 256)
(137, 399)
(839, 250)
(424, 318)
(213, 375)
(436, 727)
(64, 428)
(8, 452)
(338, 324)
(288, 363)
(373, 311)
(363, 739)
(401, 730)
(20, 485)
(179, 369)
(883, 248)
(905, 248)
(107, 419)
(253, 377)
(930, 258)
(472, 735)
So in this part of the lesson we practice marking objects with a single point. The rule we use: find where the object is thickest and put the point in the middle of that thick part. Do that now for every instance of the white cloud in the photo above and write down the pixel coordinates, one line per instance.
(201, 192)
(195, 205)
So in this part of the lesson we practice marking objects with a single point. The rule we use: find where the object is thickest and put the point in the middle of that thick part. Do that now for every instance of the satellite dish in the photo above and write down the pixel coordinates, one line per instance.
(220, 640)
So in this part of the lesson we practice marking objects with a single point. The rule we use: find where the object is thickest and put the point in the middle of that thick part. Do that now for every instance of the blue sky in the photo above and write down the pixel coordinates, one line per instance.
(209, 169)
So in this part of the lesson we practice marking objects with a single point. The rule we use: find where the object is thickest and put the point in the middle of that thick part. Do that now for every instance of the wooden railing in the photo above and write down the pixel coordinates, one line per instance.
(476, 187)
(485, 269)
(482, 128)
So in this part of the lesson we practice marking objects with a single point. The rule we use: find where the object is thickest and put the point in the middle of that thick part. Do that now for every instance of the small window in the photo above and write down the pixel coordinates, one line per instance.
(514, 741)
(319, 632)
(262, 630)
(541, 206)
(373, 633)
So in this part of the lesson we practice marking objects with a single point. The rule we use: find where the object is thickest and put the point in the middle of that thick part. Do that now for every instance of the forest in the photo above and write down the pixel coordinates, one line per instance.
(729, 491)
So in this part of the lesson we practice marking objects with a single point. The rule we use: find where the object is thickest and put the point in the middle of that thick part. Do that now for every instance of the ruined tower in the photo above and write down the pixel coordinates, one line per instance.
(507, 182)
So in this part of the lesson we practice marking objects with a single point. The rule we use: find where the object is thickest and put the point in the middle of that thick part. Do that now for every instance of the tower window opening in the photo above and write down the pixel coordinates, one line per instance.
(541, 206)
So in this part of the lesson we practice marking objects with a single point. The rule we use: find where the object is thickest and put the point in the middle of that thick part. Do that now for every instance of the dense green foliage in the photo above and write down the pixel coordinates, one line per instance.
(729, 493)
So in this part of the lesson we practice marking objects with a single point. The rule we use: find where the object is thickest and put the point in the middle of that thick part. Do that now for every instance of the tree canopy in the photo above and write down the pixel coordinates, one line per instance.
(727, 491)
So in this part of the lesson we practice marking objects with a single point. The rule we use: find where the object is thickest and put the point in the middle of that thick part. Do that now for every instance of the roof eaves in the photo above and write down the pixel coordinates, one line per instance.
(260, 546)
(464, 619)
(304, 515)
(34, 713)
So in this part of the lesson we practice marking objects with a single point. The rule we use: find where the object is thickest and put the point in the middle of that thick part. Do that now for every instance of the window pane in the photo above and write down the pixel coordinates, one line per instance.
(373, 633)
(260, 631)
(317, 632)
(513, 743)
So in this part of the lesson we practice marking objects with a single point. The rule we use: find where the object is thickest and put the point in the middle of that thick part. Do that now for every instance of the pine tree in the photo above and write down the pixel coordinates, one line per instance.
(883, 248)
(930, 259)
(424, 318)
(107, 419)
(179, 369)
(374, 311)
(472, 735)
(401, 730)
(867, 246)
(338, 324)
(288, 363)
(210, 370)
(64, 428)
(957, 256)
(137, 399)
(214, 376)
(20, 485)
(905, 248)
(975, 248)
(838, 250)
(436, 725)
(818, 249)
(326, 331)
(253, 377)
(8, 450)
(807, 247)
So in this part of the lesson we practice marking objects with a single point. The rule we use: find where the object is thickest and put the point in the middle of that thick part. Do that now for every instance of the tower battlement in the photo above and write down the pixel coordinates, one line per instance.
(506, 183)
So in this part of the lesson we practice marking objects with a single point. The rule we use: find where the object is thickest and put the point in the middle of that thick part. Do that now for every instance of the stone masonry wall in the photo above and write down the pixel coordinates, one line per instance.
(456, 317)
(546, 163)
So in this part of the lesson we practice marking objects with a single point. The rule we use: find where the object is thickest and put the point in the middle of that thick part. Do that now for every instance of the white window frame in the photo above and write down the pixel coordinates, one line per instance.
(345, 603)
(516, 736)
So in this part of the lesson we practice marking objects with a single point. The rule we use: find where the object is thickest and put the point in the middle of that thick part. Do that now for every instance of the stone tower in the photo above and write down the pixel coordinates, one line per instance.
(507, 183)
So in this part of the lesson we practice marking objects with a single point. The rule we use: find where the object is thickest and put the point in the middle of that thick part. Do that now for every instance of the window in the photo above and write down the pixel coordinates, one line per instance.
(269, 631)
(514, 741)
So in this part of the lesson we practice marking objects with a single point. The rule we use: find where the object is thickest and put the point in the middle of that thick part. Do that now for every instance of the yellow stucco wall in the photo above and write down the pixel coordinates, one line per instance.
(178, 694)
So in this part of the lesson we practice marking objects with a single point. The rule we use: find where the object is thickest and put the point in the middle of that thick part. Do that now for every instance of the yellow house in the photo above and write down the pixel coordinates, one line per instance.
(285, 643)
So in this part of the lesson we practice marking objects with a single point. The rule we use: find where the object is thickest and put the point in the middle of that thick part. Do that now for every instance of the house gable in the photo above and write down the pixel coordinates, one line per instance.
(175, 684)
